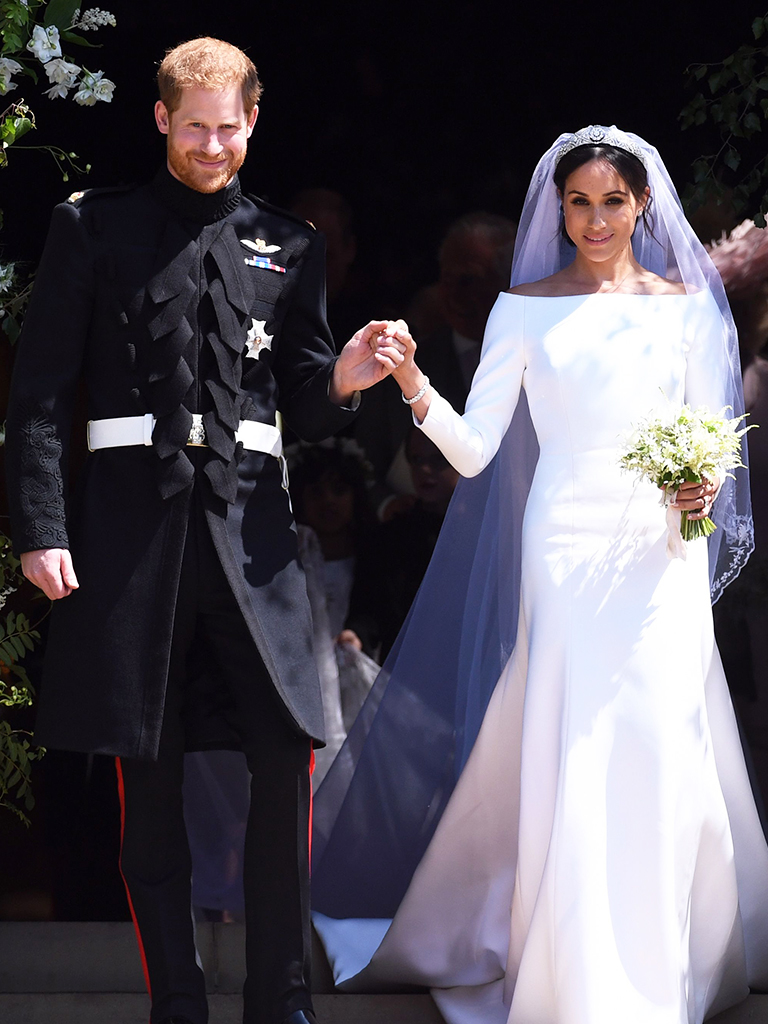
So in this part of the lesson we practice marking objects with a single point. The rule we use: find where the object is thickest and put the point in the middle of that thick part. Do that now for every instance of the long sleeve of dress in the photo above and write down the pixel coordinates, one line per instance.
(469, 442)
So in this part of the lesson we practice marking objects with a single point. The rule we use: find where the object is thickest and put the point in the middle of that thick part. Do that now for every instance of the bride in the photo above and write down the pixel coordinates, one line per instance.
(543, 812)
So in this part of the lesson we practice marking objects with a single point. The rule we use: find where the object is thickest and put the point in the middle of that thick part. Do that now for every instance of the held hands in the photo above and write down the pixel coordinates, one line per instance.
(395, 350)
(51, 570)
(697, 499)
(357, 368)
(375, 351)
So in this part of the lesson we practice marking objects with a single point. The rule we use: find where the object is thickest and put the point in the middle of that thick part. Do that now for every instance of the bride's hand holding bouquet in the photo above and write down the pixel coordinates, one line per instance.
(684, 455)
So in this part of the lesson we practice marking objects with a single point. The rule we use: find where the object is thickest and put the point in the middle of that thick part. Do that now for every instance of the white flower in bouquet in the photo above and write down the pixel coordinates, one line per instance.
(45, 43)
(94, 87)
(93, 19)
(685, 447)
(63, 75)
(8, 67)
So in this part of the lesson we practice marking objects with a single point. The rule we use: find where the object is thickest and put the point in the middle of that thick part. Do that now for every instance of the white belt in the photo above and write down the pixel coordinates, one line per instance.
(122, 431)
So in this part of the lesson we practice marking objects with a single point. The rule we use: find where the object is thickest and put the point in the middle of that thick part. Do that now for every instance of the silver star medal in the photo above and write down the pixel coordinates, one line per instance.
(260, 246)
(257, 339)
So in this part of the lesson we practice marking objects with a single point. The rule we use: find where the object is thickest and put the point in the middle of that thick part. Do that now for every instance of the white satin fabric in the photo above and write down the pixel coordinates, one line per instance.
(601, 858)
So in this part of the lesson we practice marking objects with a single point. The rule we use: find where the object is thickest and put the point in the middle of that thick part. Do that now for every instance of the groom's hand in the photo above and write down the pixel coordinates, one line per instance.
(51, 570)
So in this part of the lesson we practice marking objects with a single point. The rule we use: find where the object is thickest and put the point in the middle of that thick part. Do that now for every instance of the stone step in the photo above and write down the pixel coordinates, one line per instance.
(105, 1008)
(90, 973)
(57, 957)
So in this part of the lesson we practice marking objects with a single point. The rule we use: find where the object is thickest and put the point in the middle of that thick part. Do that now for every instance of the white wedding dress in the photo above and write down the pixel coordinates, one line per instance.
(600, 860)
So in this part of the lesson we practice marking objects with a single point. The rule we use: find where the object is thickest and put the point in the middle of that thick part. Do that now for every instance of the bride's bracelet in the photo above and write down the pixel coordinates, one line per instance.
(419, 394)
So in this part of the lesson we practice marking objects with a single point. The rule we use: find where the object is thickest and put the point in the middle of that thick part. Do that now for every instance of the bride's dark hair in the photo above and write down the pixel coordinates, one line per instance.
(625, 164)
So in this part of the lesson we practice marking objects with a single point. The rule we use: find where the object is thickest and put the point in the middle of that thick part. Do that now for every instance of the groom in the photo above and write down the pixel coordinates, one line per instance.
(191, 313)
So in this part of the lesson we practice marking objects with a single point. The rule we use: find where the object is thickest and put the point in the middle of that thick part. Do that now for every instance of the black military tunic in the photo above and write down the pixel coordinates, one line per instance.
(171, 302)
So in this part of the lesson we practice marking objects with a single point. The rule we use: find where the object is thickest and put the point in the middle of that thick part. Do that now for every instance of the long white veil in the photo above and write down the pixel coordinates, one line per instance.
(378, 807)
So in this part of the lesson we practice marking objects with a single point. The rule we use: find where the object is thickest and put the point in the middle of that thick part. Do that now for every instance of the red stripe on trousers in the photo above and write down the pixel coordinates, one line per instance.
(311, 795)
(121, 794)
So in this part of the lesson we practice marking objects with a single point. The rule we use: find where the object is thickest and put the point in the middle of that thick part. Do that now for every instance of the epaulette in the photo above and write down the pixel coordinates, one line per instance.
(90, 193)
(280, 212)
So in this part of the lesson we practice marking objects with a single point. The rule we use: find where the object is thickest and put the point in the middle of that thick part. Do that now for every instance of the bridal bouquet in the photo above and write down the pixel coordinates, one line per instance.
(687, 446)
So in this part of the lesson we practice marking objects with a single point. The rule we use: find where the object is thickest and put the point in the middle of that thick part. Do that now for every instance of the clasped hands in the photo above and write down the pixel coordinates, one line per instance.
(378, 349)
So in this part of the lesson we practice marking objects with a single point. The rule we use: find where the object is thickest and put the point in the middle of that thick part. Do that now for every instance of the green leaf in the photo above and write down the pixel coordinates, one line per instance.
(758, 27)
(23, 125)
(11, 327)
(752, 122)
(12, 41)
(732, 159)
(78, 40)
(700, 71)
(60, 13)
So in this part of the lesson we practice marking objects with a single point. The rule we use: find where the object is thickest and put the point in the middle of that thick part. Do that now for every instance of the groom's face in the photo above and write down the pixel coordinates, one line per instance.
(207, 136)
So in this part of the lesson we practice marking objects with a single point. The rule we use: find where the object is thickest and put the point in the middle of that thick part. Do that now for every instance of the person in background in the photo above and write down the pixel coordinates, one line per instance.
(330, 213)
(330, 492)
(741, 615)
(380, 599)
(475, 259)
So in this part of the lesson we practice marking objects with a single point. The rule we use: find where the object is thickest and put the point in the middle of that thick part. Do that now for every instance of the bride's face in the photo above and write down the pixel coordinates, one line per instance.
(600, 210)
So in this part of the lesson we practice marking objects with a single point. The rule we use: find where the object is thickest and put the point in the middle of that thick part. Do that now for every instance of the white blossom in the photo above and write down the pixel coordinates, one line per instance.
(57, 92)
(45, 43)
(94, 87)
(7, 274)
(63, 75)
(93, 19)
(8, 67)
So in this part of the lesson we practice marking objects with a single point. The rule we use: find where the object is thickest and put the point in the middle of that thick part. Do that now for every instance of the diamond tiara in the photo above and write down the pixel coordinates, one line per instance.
(597, 135)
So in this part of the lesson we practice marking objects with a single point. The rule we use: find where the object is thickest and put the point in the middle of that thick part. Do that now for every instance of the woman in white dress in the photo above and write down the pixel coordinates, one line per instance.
(597, 857)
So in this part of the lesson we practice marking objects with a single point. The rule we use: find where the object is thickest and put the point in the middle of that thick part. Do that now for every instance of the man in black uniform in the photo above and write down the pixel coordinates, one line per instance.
(192, 313)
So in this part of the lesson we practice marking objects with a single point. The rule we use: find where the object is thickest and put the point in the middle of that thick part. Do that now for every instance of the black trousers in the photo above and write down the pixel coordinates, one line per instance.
(155, 858)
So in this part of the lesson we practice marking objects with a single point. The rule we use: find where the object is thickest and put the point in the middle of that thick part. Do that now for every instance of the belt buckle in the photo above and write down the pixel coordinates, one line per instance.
(196, 437)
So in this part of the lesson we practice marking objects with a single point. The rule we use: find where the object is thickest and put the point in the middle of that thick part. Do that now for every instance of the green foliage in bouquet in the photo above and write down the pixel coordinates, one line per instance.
(688, 446)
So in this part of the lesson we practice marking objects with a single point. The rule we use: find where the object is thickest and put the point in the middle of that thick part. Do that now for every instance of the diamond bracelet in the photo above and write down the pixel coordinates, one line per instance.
(419, 394)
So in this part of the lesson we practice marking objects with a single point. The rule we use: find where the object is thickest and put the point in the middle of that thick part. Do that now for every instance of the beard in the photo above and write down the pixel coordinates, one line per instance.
(184, 166)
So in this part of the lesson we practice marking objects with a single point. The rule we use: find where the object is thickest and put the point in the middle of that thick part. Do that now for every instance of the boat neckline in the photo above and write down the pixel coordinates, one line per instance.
(589, 295)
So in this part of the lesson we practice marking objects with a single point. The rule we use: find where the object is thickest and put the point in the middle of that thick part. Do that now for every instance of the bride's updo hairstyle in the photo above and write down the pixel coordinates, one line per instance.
(626, 166)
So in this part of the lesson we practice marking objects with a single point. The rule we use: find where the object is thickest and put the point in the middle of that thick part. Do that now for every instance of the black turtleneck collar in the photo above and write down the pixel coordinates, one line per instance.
(185, 202)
